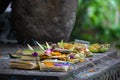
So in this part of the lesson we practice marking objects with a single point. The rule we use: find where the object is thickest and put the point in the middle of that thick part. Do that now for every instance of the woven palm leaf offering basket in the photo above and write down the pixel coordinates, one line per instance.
(58, 57)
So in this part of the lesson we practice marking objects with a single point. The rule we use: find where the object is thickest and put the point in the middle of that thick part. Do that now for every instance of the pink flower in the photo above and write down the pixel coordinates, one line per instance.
(48, 51)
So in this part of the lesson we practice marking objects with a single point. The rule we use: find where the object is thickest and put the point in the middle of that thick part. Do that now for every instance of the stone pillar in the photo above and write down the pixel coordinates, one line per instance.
(43, 20)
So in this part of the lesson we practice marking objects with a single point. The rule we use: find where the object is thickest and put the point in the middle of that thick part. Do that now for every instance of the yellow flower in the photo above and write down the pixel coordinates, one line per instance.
(49, 64)
(56, 54)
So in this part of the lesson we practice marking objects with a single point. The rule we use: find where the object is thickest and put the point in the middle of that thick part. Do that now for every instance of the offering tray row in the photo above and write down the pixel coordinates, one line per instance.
(80, 71)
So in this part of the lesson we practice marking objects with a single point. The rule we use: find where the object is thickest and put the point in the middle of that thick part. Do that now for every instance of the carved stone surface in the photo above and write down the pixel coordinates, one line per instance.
(43, 20)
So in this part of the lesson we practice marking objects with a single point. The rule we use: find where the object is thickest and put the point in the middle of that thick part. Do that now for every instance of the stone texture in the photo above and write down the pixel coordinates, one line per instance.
(43, 20)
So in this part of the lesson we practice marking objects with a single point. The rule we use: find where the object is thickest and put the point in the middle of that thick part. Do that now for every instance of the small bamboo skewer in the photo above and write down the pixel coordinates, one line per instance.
(30, 47)
(19, 48)
(10, 51)
(37, 58)
(40, 46)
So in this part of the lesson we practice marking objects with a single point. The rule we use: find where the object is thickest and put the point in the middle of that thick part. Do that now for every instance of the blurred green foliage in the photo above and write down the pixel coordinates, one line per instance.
(97, 21)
